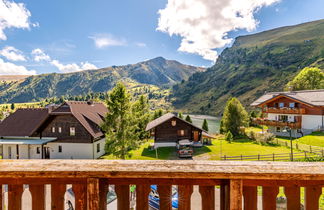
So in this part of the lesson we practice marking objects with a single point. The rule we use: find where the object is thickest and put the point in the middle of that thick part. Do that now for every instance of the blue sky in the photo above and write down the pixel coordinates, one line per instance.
(75, 35)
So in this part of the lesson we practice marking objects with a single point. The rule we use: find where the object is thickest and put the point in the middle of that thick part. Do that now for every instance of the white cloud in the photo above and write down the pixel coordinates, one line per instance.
(13, 15)
(140, 44)
(204, 24)
(73, 67)
(107, 40)
(12, 54)
(40, 55)
(7, 68)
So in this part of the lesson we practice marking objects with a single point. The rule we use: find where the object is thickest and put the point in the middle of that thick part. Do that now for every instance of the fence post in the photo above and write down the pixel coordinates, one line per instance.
(322, 153)
(286, 144)
(305, 154)
(310, 148)
(258, 156)
(273, 157)
(241, 157)
(224, 157)
(296, 145)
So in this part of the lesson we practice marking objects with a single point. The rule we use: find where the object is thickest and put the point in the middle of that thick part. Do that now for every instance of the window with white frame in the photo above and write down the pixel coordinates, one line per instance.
(37, 150)
(60, 149)
(281, 105)
(98, 147)
(72, 131)
(292, 105)
(60, 129)
(53, 129)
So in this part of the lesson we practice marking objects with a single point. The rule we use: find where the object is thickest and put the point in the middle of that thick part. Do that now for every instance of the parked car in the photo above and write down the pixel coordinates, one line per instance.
(184, 148)
(154, 200)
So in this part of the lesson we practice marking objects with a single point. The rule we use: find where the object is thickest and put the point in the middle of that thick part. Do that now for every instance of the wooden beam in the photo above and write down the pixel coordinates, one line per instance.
(80, 196)
(236, 194)
(250, 195)
(165, 195)
(142, 193)
(38, 196)
(14, 197)
(93, 193)
(122, 192)
(207, 197)
(103, 190)
(312, 195)
(1, 194)
(293, 197)
(184, 197)
(224, 196)
(269, 197)
(57, 196)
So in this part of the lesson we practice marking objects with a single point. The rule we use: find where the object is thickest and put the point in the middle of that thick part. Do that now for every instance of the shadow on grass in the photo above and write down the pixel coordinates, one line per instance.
(162, 153)
(201, 150)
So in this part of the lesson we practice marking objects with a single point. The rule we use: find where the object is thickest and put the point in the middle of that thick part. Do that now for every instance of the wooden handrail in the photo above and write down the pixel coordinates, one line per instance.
(90, 180)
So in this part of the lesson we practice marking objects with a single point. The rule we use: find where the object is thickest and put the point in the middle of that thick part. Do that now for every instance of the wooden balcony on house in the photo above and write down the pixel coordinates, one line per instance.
(90, 180)
(284, 110)
(292, 125)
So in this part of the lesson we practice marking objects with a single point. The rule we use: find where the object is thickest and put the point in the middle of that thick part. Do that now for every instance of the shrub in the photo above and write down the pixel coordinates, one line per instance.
(229, 136)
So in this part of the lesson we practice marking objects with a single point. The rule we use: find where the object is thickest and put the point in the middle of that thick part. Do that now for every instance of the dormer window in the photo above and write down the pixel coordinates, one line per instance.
(173, 122)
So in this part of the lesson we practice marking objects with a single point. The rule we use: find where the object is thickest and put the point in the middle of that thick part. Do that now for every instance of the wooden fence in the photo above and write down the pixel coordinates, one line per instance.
(303, 147)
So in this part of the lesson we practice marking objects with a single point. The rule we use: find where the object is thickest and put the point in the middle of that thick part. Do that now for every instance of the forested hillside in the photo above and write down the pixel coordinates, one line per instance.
(254, 64)
(158, 72)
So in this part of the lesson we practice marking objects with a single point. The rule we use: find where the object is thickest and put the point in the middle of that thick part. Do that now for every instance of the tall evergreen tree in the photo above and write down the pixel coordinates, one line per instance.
(141, 112)
(234, 117)
(12, 107)
(119, 124)
(180, 115)
(205, 125)
(157, 113)
(188, 119)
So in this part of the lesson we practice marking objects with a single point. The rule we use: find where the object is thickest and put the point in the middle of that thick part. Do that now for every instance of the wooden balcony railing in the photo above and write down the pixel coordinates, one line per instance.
(293, 125)
(284, 110)
(90, 180)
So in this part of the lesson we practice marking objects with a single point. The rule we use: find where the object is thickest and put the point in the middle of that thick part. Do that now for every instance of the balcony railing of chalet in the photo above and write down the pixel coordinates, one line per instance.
(293, 125)
(284, 110)
(90, 180)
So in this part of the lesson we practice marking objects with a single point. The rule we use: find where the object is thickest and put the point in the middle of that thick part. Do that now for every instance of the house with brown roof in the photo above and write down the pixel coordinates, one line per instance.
(69, 131)
(168, 129)
(302, 111)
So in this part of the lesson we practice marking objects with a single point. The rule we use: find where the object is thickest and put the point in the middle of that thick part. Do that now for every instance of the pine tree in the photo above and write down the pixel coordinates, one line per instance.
(142, 116)
(188, 119)
(12, 107)
(180, 115)
(234, 117)
(205, 125)
(119, 124)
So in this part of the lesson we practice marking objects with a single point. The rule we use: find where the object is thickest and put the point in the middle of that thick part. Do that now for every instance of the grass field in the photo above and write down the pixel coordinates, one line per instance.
(314, 139)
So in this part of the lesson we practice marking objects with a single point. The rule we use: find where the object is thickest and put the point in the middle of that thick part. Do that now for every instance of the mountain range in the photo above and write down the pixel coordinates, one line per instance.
(254, 64)
(158, 71)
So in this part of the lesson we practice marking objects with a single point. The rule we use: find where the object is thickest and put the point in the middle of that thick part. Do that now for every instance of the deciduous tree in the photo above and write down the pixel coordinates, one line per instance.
(310, 78)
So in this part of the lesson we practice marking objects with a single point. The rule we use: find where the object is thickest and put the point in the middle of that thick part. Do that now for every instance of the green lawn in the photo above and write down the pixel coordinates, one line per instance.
(314, 139)
(144, 153)
(238, 147)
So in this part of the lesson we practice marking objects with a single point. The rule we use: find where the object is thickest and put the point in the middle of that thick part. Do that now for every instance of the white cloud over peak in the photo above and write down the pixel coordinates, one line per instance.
(204, 24)
(13, 15)
(12, 54)
(73, 67)
(7, 68)
(40, 55)
(107, 40)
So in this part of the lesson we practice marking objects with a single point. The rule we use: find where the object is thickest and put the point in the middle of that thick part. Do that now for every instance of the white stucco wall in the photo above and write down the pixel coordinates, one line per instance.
(165, 144)
(312, 122)
(102, 143)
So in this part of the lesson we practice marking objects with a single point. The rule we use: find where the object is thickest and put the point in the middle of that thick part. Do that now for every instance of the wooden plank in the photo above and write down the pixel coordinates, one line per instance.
(38, 196)
(250, 197)
(103, 190)
(57, 196)
(312, 194)
(184, 193)
(122, 192)
(80, 193)
(288, 183)
(236, 194)
(41, 180)
(142, 192)
(14, 197)
(187, 169)
(1, 194)
(165, 195)
(93, 193)
(269, 196)
(293, 197)
(164, 181)
(224, 196)
(207, 197)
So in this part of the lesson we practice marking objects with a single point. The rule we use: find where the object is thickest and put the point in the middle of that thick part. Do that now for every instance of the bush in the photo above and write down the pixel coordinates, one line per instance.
(261, 138)
(229, 136)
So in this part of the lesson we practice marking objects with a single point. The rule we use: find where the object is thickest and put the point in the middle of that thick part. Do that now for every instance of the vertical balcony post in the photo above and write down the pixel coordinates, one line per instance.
(293, 197)
(184, 197)
(165, 194)
(250, 197)
(269, 196)
(103, 190)
(207, 197)
(57, 196)
(14, 197)
(236, 194)
(312, 194)
(1, 194)
(38, 196)
(93, 193)
(122, 192)
(224, 196)
(142, 193)
(80, 193)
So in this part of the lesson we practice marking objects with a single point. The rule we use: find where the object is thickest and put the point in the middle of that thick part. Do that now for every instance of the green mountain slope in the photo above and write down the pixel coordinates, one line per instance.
(254, 64)
(157, 71)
